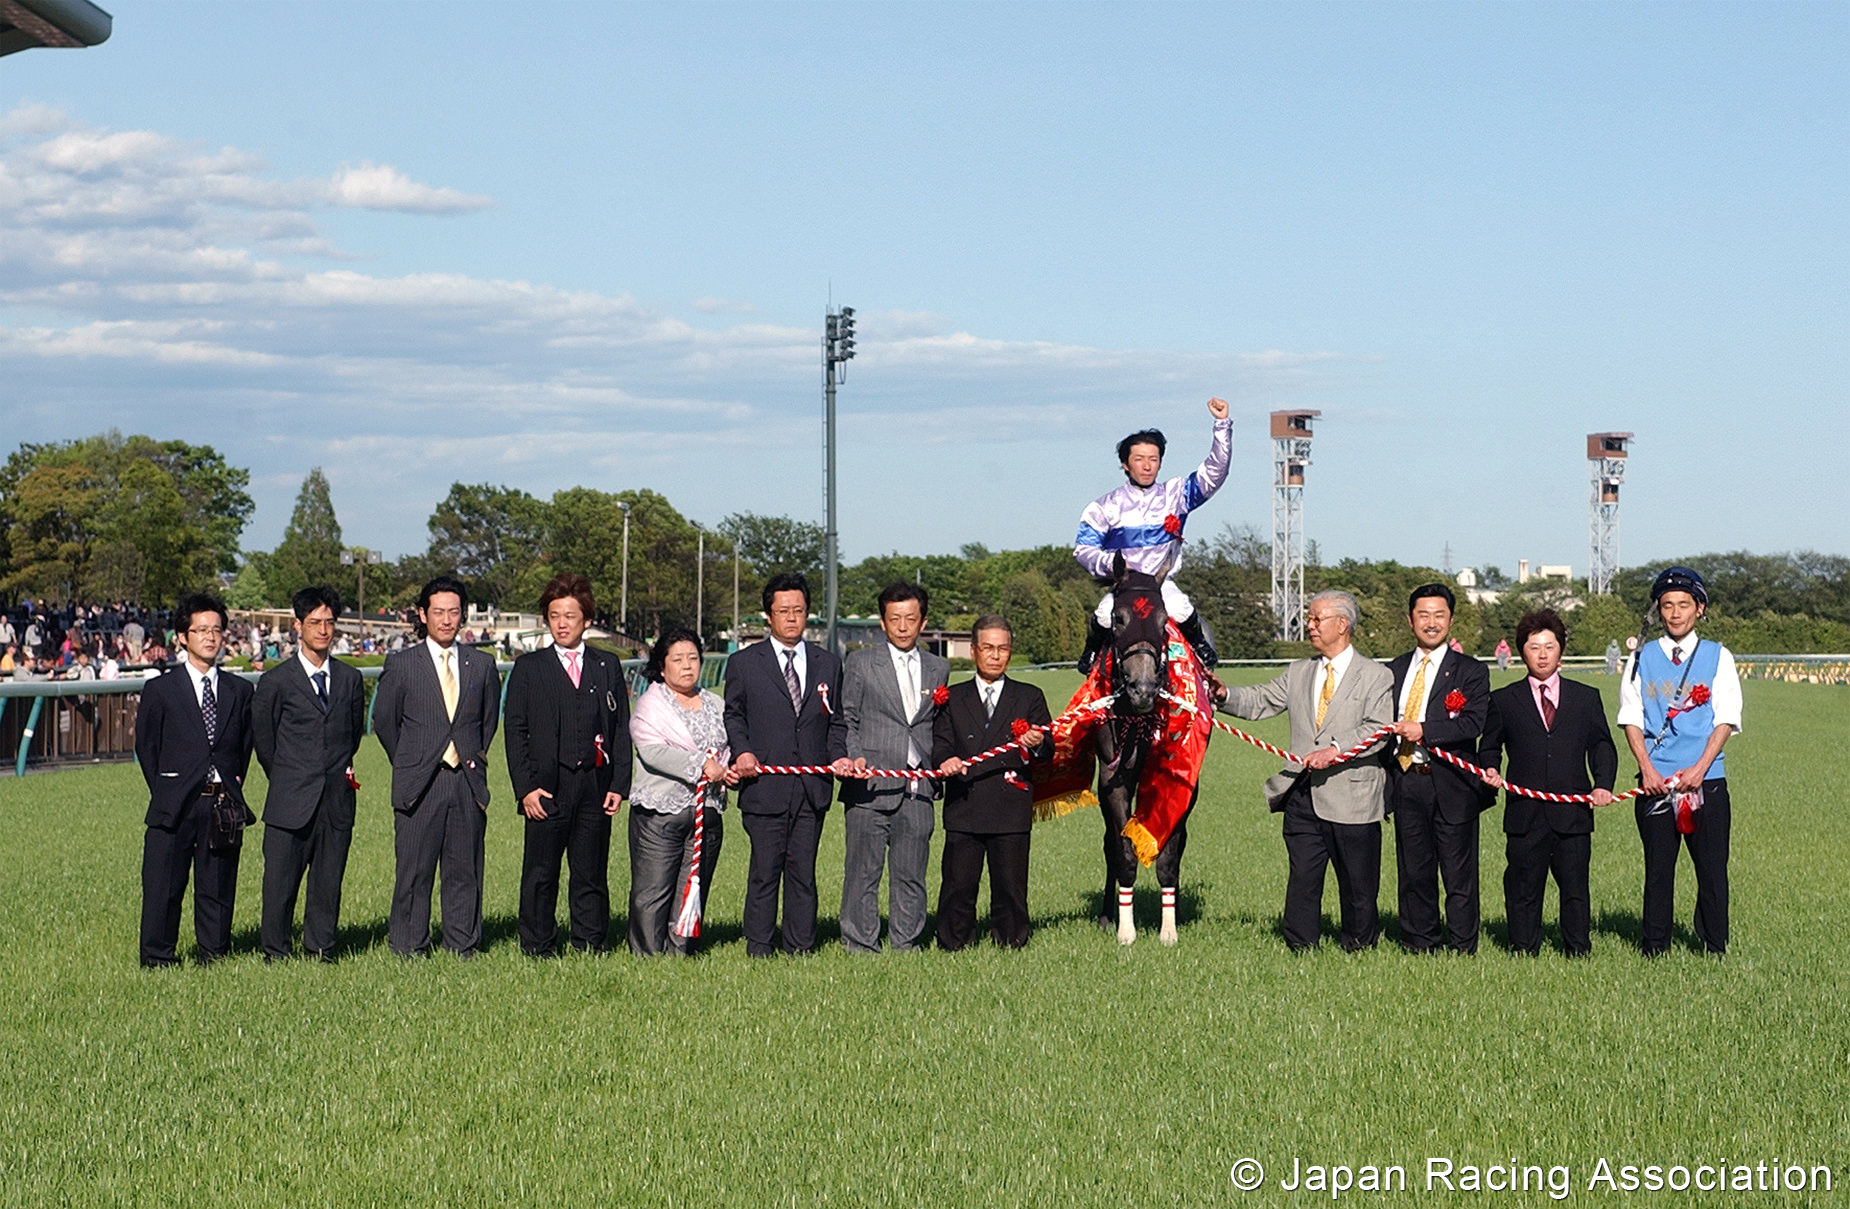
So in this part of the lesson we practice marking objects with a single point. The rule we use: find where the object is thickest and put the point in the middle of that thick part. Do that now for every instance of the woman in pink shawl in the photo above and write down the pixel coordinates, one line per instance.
(679, 732)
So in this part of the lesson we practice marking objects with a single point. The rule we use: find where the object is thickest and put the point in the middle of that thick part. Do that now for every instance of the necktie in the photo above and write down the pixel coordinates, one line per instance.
(989, 701)
(791, 683)
(1329, 690)
(1548, 711)
(571, 665)
(1676, 655)
(321, 689)
(911, 683)
(450, 695)
(208, 708)
(1412, 713)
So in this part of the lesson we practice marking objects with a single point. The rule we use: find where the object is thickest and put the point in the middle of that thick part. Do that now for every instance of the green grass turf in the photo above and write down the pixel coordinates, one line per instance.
(1072, 1073)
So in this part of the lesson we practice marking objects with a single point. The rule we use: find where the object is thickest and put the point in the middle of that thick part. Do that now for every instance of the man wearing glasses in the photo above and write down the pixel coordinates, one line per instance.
(309, 715)
(436, 711)
(1332, 810)
(193, 739)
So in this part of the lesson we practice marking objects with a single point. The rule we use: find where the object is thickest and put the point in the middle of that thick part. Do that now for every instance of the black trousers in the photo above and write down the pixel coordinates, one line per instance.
(1429, 847)
(1312, 844)
(576, 826)
(1532, 856)
(661, 856)
(320, 850)
(1708, 853)
(168, 856)
(783, 850)
(962, 871)
(445, 828)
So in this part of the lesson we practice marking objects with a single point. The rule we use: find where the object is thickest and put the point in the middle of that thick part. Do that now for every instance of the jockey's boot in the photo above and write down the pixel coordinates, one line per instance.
(1098, 637)
(1198, 638)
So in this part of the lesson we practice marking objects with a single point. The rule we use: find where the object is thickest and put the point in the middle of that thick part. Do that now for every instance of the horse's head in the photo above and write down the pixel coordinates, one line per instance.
(1139, 637)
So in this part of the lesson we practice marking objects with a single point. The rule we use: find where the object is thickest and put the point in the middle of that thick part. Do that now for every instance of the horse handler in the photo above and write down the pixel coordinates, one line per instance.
(1332, 810)
(1679, 702)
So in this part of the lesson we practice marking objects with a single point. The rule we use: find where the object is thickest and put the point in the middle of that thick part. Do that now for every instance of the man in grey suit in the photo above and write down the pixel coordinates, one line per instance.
(436, 711)
(309, 715)
(1332, 811)
(887, 723)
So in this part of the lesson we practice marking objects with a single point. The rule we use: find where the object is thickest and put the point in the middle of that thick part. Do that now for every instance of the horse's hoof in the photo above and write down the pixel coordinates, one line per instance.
(1167, 936)
(1127, 936)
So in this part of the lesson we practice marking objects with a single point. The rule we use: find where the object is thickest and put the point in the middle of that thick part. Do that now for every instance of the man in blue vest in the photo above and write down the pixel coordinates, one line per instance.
(1679, 702)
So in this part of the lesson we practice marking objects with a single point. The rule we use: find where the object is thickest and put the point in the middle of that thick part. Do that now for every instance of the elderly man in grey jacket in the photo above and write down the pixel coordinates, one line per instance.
(1332, 810)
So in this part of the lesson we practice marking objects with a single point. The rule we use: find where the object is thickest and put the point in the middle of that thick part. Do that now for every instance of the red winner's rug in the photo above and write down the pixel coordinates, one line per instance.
(1170, 773)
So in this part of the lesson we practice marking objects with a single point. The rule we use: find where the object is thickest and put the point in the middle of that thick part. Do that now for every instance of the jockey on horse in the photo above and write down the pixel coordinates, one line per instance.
(1143, 520)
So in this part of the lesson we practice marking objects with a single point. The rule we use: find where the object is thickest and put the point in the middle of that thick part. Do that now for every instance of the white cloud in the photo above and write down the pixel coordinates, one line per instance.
(383, 187)
(149, 284)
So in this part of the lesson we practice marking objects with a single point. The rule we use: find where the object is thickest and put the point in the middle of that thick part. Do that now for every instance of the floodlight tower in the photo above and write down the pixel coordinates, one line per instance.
(837, 349)
(1606, 452)
(1290, 455)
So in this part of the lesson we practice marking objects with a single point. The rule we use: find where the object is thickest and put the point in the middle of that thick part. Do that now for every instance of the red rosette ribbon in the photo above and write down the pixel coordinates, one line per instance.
(353, 782)
(1454, 701)
(1697, 695)
(1018, 728)
(601, 758)
(940, 695)
(822, 691)
(1172, 525)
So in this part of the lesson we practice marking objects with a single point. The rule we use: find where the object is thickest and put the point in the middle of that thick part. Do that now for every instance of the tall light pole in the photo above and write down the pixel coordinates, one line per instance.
(735, 592)
(837, 349)
(700, 583)
(361, 557)
(623, 608)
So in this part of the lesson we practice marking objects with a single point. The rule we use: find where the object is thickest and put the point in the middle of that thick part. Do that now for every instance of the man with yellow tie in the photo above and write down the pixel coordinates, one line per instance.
(1332, 810)
(435, 712)
(1441, 699)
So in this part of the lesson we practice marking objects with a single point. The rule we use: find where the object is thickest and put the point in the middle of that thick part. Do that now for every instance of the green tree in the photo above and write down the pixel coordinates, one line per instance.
(1230, 581)
(585, 534)
(249, 590)
(769, 544)
(114, 517)
(494, 538)
(311, 547)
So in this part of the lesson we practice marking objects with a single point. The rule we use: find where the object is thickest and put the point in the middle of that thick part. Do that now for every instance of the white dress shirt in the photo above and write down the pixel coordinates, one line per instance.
(906, 667)
(1724, 694)
(1433, 661)
(802, 662)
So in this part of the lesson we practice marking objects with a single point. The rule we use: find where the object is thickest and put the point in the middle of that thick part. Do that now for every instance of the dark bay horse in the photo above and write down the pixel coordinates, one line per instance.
(1139, 675)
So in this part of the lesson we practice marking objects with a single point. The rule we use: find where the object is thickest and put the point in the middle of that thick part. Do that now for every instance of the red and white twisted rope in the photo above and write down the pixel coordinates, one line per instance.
(1583, 799)
(687, 919)
(927, 774)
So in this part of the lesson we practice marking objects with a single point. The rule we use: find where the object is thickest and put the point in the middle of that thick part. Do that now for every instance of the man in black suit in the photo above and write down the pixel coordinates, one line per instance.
(1556, 733)
(988, 808)
(782, 702)
(568, 755)
(309, 715)
(435, 712)
(1441, 704)
(193, 740)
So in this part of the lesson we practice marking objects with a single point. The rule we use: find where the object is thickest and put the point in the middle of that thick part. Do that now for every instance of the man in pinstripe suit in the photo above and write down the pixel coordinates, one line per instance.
(886, 694)
(435, 712)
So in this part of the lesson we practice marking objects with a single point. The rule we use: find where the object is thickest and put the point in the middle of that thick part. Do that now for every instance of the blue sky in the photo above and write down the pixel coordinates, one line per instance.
(561, 244)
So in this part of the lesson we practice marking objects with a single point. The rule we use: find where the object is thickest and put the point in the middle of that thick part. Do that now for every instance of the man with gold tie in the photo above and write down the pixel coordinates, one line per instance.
(1332, 810)
(1441, 698)
(435, 712)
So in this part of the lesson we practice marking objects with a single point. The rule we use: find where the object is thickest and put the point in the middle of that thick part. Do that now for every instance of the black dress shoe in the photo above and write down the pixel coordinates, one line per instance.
(324, 956)
(159, 963)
